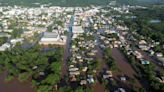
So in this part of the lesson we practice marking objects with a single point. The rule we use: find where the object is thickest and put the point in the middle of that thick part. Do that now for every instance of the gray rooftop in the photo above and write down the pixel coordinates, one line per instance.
(50, 35)
(2, 34)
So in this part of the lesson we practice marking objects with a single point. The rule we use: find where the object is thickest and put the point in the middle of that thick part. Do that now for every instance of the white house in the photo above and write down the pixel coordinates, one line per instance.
(5, 46)
(78, 30)
(14, 41)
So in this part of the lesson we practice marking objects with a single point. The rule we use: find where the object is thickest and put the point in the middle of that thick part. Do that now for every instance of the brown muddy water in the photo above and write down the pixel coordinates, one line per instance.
(98, 88)
(126, 69)
(123, 65)
(14, 85)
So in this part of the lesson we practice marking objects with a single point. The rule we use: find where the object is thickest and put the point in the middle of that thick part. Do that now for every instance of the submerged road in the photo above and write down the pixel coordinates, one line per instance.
(124, 66)
(67, 48)
(152, 59)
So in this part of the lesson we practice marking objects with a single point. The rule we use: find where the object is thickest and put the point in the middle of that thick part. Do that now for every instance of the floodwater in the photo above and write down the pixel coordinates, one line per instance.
(98, 88)
(127, 70)
(14, 85)
(124, 66)
(67, 49)
(153, 60)
(122, 63)
(66, 55)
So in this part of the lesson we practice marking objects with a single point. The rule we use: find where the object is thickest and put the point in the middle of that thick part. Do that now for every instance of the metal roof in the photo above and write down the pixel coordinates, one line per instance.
(50, 35)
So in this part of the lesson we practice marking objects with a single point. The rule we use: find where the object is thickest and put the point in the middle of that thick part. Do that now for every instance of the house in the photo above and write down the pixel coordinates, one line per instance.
(2, 34)
(73, 69)
(84, 69)
(105, 76)
(77, 30)
(144, 47)
(52, 38)
(35, 67)
(41, 73)
(123, 78)
(151, 52)
(73, 46)
(109, 73)
(14, 41)
(159, 54)
(142, 42)
(27, 34)
(144, 62)
(75, 73)
(5, 46)
(112, 31)
(90, 54)
(115, 45)
(120, 90)
(71, 66)
(161, 60)
(72, 78)
(90, 79)
(138, 55)
(8, 30)
(160, 79)
(83, 82)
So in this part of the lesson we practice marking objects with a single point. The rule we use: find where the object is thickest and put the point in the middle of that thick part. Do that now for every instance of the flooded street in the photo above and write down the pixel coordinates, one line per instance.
(14, 85)
(127, 70)
(67, 49)
(124, 67)
(153, 60)
(66, 55)
(122, 63)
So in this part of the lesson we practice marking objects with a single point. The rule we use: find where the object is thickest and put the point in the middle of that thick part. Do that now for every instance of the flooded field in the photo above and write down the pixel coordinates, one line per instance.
(14, 85)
